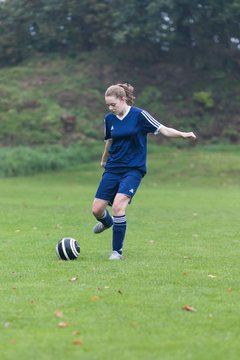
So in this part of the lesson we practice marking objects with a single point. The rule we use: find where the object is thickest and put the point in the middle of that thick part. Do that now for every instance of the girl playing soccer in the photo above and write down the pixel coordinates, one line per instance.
(124, 160)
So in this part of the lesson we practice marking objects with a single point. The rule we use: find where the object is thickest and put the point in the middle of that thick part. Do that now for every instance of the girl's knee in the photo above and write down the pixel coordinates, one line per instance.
(97, 211)
(98, 208)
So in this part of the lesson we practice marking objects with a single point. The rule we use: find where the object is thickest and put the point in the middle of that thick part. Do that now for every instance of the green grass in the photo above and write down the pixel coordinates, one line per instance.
(183, 226)
(25, 160)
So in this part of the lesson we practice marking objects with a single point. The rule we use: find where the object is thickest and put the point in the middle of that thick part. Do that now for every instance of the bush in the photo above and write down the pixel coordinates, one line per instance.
(204, 98)
(151, 98)
(22, 160)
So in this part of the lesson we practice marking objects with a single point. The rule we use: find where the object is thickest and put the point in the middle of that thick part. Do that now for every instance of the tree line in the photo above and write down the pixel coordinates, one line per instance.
(199, 31)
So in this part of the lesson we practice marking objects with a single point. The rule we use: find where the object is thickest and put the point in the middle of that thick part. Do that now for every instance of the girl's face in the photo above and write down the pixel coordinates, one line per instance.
(117, 106)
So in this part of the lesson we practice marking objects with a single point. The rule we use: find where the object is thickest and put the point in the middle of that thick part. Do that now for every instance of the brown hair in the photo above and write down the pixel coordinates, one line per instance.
(121, 90)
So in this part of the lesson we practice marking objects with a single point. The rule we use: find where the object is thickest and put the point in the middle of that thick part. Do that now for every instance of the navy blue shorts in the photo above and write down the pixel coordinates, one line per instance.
(126, 182)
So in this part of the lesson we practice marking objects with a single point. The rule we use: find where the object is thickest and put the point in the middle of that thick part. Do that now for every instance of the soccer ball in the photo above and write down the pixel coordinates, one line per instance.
(68, 249)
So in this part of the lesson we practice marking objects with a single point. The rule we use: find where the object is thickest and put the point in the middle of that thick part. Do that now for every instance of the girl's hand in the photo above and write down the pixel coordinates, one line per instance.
(189, 135)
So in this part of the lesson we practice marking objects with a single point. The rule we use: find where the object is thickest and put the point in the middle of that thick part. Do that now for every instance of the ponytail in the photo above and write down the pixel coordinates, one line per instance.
(122, 90)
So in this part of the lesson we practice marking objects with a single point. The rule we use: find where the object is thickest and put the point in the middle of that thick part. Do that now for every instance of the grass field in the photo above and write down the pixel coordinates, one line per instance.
(181, 249)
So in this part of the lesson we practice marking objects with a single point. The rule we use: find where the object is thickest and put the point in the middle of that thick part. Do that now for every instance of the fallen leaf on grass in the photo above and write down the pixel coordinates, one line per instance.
(188, 308)
(78, 342)
(63, 324)
(211, 276)
(76, 332)
(73, 279)
(58, 313)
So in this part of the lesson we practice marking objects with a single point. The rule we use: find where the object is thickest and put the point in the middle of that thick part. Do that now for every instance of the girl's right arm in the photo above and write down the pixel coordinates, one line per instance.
(105, 152)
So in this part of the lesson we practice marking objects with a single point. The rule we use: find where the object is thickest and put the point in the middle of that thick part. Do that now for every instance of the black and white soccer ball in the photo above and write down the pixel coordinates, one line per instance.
(68, 249)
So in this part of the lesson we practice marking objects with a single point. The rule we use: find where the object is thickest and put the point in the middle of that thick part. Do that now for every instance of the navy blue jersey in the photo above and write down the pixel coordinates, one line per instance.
(129, 139)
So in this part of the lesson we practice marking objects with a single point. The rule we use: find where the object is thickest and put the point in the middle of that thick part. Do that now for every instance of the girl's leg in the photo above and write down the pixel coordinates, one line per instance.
(102, 215)
(119, 221)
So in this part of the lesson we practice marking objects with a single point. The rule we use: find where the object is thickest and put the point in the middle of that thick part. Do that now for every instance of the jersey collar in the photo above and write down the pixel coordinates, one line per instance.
(126, 113)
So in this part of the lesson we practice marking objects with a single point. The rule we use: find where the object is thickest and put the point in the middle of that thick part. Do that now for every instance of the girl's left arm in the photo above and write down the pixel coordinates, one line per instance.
(106, 152)
(173, 133)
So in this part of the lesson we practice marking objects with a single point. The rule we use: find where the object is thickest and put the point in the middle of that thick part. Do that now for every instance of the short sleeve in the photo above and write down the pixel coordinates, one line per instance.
(149, 124)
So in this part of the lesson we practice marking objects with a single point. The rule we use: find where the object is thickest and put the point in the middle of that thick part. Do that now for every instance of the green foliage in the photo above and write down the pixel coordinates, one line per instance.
(232, 133)
(22, 161)
(204, 98)
(36, 94)
(160, 27)
(151, 98)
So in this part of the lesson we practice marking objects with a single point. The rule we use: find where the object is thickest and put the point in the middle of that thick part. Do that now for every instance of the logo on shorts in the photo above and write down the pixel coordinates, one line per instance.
(131, 191)
(112, 128)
